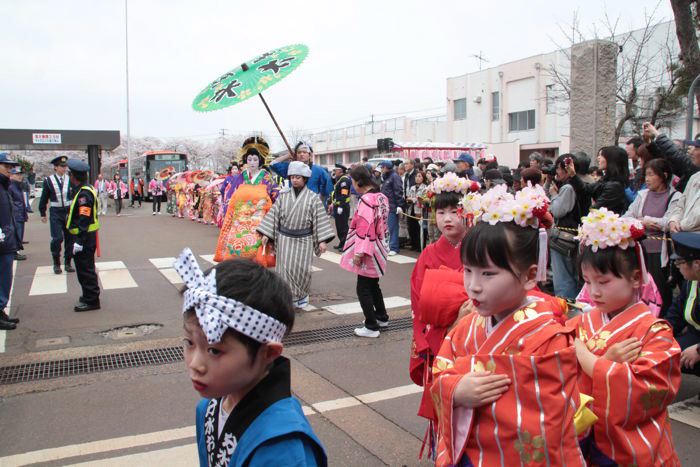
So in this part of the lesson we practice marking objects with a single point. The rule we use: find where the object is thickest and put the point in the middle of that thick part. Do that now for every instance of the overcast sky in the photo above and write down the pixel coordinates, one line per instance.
(63, 62)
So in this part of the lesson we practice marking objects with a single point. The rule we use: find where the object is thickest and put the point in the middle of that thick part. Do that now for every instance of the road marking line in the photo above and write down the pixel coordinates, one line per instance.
(45, 282)
(8, 307)
(110, 265)
(97, 447)
(309, 307)
(128, 442)
(172, 276)
(391, 393)
(354, 307)
(208, 258)
(180, 456)
(336, 404)
(332, 257)
(687, 411)
(161, 263)
(315, 269)
(401, 259)
(115, 275)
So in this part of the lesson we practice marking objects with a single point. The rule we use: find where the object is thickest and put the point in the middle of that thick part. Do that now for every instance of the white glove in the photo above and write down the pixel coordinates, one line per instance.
(2, 236)
(77, 248)
(340, 211)
(399, 211)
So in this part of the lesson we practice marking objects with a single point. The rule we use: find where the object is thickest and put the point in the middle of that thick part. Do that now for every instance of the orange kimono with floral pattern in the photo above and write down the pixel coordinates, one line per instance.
(630, 399)
(532, 423)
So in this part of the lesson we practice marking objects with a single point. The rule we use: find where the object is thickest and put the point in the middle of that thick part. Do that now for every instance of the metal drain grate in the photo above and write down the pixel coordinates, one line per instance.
(79, 366)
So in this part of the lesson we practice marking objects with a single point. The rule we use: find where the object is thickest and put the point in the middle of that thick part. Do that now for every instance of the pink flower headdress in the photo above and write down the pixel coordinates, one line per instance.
(529, 207)
(602, 229)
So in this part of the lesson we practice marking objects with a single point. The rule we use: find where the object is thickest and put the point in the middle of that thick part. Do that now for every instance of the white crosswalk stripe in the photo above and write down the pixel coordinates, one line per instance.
(161, 263)
(354, 307)
(208, 258)
(398, 259)
(114, 275)
(45, 282)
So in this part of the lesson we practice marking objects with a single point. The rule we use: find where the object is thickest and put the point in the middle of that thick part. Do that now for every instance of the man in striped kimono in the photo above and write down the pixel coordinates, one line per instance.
(299, 227)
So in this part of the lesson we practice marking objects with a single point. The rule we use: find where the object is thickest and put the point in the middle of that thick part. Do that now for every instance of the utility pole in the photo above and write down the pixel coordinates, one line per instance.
(128, 121)
(223, 131)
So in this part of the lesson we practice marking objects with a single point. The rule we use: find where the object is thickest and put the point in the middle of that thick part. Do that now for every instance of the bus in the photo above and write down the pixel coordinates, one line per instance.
(155, 161)
(121, 167)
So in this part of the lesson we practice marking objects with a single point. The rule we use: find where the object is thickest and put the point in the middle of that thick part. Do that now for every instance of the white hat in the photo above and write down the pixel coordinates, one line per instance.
(299, 168)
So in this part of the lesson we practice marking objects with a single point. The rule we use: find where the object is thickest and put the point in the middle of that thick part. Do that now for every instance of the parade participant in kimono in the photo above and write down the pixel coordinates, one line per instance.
(319, 182)
(340, 204)
(118, 191)
(366, 250)
(226, 187)
(299, 227)
(235, 320)
(684, 313)
(503, 389)
(629, 361)
(156, 189)
(252, 197)
(447, 193)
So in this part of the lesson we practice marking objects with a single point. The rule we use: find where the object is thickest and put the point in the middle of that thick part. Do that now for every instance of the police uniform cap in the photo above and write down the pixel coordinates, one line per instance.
(341, 167)
(686, 245)
(60, 160)
(76, 165)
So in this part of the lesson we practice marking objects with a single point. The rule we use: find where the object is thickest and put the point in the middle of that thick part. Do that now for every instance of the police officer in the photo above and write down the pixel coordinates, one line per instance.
(684, 312)
(340, 203)
(58, 194)
(82, 224)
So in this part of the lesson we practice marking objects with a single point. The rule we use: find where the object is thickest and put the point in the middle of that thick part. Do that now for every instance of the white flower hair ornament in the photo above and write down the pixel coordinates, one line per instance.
(450, 182)
(602, 229)
(216, 313)
(529, 207)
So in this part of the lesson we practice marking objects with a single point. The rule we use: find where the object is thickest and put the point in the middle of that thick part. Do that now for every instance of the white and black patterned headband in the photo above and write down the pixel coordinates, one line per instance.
(216, 313)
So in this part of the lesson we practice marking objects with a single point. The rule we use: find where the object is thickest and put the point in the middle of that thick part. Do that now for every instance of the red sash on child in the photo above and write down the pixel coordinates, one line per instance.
(630, 399)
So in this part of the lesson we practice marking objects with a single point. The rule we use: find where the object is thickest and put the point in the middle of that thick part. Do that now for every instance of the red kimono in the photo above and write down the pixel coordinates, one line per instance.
(630, 399)
(533, 421)
(427, 337)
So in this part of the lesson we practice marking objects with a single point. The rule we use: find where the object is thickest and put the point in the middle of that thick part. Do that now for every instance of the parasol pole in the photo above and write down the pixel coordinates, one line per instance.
(245, 67)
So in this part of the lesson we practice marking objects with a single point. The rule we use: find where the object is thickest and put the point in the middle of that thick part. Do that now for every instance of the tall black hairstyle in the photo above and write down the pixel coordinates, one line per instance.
(257, 287)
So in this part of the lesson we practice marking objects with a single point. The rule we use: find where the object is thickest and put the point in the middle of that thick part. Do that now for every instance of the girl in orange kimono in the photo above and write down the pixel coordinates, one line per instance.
(503, 389)
(254, 191)
(629, 361)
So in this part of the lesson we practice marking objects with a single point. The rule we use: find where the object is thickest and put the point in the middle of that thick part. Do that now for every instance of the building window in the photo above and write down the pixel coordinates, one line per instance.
(521, 121)
(460, 109)
(354, 156)
(551, 103)
(495, 106)
(338, 158)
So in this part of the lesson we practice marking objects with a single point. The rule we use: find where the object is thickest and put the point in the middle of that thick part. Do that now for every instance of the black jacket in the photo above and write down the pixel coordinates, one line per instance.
(681, 164)
(8, 224)
(392, 188)
(20, 207)
(605, 193)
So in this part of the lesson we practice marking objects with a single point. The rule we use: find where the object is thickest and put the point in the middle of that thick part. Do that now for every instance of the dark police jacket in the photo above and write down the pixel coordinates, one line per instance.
(82, 218)
(11, 243)
(57, 193)
(341, 192)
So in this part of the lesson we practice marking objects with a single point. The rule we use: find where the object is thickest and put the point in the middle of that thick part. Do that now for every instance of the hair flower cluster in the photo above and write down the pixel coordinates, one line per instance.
(603, 229)
(450, 182)
(529, 207)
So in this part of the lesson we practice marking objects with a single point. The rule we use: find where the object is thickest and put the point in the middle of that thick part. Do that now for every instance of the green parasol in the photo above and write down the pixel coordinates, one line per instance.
(250, 79)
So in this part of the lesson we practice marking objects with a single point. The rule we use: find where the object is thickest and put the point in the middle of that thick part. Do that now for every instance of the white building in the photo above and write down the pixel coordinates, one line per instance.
(514, 107)
(350, 144)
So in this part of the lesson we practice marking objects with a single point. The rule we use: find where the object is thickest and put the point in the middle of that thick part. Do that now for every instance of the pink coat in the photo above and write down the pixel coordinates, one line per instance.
(112, 190)
(368, 236)
(155, 187)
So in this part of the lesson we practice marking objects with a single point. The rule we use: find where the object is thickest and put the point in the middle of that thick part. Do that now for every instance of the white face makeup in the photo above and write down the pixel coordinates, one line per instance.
(253, 162)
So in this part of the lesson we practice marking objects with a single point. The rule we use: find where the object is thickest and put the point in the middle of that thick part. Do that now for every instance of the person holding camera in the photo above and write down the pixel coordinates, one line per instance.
(566, 211)
(609, 192)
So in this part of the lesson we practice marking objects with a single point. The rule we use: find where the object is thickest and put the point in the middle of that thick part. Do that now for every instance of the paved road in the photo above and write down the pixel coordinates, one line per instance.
(356, 392)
